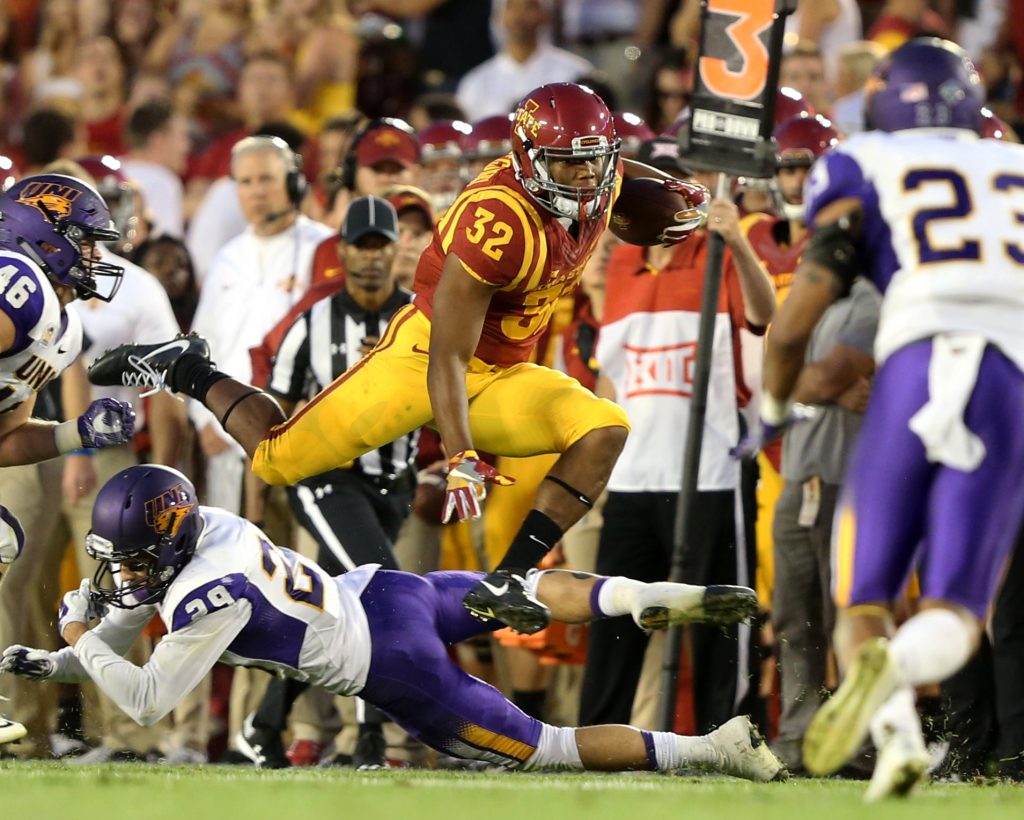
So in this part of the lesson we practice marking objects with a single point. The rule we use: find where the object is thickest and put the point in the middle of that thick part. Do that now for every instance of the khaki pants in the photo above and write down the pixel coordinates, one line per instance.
(30, 593)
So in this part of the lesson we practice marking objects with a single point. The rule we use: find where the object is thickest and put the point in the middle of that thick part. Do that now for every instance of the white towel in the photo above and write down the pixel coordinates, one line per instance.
(952, 374)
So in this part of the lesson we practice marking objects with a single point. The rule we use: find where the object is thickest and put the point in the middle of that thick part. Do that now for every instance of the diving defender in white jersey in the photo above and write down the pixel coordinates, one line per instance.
(49, 225)
(226, 593)
(934, 216)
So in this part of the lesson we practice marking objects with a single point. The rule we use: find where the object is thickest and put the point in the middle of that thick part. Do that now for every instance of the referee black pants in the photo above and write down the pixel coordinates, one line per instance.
(636, 542)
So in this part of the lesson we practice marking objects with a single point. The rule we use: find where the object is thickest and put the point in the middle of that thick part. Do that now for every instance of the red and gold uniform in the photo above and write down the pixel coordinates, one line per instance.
(516, 408)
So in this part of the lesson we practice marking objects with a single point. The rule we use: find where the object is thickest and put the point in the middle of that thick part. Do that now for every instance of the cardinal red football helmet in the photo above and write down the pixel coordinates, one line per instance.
(798, 143)
(632, 130)
(802, 139)
(565, 121)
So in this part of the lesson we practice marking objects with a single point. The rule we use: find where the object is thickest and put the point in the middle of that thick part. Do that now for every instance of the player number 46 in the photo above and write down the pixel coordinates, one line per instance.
(17, 292)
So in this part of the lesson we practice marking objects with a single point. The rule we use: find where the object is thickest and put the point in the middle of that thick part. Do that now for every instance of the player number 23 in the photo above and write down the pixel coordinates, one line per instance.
(958, 205)
(498, 233)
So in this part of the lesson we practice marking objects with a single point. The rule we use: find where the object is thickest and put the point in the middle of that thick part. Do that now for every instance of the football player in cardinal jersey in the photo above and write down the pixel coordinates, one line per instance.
(932, 214)
(49, 225)
(514, 241)
(227, 594)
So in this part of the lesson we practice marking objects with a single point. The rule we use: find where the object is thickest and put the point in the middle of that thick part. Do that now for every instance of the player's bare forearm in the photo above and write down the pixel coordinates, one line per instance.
(168, 423)
(814, 289)
(825, 381)
(460, 305)
(631, 169)
(24, 440)
(755, 283)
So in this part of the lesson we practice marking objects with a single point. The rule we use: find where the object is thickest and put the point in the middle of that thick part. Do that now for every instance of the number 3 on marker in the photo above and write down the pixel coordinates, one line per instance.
(745, 34)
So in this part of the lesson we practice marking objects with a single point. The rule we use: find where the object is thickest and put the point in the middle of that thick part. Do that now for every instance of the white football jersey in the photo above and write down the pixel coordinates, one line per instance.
(943, 231)
(303, 621)
(46, 339)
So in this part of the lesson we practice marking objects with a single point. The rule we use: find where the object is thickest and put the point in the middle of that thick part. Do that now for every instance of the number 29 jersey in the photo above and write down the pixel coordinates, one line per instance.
(505, 239)
(943, 231)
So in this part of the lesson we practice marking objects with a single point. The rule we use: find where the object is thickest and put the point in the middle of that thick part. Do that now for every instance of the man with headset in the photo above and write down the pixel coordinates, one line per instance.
(253, 281)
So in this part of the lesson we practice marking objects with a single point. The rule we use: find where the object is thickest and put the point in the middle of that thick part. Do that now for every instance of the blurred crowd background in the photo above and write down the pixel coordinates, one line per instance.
(408, 100)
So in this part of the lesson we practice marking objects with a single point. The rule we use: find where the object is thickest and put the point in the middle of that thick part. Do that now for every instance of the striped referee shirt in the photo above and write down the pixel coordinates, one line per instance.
(322, 344)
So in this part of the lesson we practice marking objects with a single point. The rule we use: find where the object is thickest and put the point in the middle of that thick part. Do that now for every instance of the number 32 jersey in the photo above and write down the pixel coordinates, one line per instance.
(505, 239)
(943, 231)
(46, 338)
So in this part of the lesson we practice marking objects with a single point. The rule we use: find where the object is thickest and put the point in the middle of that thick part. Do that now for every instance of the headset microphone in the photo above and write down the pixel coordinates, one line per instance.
(276, 215)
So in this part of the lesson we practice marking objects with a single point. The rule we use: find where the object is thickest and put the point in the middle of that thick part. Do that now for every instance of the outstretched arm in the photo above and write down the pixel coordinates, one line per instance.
(824, 275)
(179, 662)
(460, 305)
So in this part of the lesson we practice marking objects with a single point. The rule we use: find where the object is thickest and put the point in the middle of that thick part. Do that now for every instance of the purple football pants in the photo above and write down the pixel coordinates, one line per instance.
(899, 512)
(413, 621)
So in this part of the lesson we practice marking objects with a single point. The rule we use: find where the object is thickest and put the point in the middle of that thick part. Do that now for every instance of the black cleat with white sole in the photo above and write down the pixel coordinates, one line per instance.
(144, 366)
(503, 596)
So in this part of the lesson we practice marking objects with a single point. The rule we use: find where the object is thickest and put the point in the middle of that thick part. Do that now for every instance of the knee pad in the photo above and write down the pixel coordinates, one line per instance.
(556, 749)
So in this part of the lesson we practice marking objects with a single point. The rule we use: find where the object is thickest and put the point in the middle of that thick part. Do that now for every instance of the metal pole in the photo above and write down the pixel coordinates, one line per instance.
(683, 532)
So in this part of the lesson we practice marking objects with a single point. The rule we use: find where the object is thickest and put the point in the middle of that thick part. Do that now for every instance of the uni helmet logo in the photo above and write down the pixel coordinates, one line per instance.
(526, 118)
(51, 198)
(165, 513)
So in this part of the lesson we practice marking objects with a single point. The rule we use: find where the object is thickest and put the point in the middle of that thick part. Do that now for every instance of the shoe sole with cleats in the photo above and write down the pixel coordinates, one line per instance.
(11, 731)
(716, 604)
(746, 753)
(897, 771)
(525, 617)
(840, 726)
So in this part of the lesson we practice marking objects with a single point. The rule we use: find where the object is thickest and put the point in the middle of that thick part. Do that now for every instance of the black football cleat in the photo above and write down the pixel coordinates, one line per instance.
(371, 751)
(503, 596)
(144, 366)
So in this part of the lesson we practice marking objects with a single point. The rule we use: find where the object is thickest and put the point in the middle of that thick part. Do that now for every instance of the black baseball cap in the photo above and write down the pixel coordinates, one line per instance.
(662, 153)
(368, 215)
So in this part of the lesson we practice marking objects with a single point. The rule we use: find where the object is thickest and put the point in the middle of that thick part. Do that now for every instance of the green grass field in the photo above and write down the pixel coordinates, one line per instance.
(41, 791)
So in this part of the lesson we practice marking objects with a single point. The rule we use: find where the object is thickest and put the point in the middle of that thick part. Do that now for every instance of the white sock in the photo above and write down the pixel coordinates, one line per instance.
(931, 646)
(898, 715)
(672, 751)
(615, 597)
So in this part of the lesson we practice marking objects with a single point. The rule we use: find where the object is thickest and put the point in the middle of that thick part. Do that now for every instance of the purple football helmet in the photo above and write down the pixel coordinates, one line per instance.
(47, 218)
(146, 518)
(925, 83)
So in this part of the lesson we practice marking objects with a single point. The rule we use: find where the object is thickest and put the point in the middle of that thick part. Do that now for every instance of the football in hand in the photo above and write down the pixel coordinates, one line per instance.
(646, 209)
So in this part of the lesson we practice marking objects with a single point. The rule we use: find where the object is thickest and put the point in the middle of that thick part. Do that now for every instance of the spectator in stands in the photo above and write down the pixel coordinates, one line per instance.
(202, 53)
(669, 91)
(415, 227)
(158, 142)
(321, 44)
(803, 69)
(525, 62)
(828, 24)
(855, 63)
(264, 95)
(601, 31)
(455, 35)
(49, 134)
(100, 70)
(134, 26)
(168, 260)
(901, 20)
(48, 71)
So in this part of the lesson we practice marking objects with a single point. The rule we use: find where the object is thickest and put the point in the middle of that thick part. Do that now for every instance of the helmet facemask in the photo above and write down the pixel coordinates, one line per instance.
(576, 202)
(162, 560)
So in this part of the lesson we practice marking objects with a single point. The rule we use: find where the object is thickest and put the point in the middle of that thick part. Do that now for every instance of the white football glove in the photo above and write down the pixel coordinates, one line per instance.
(79, 607)
(12, 536)
(34, 664)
